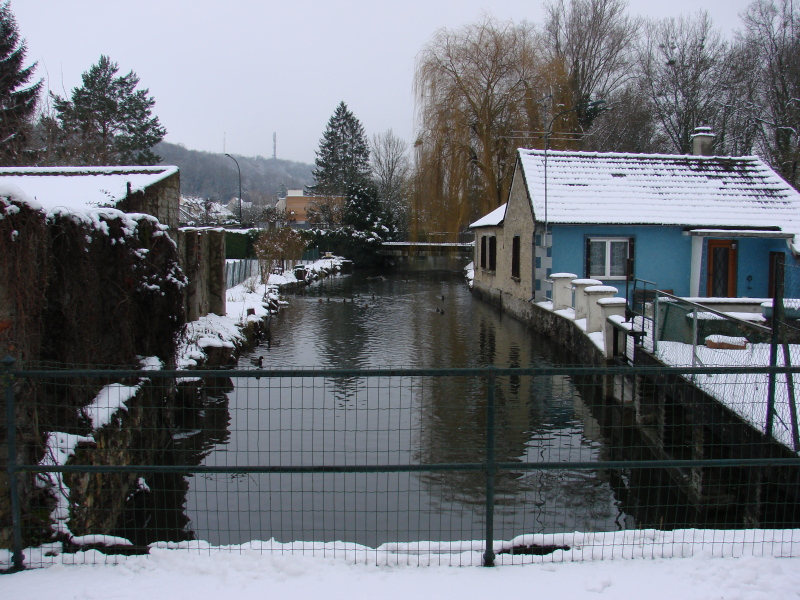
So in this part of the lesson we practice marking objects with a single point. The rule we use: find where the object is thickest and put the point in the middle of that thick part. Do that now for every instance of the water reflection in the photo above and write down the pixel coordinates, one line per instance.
(200, 425)
(418, 321)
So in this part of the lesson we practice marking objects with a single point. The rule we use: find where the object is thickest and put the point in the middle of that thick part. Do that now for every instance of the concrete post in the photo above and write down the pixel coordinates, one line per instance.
(580, 298)
(189, 262)
(610, 307)
(562, 290)
(594, 313)
(216, 272)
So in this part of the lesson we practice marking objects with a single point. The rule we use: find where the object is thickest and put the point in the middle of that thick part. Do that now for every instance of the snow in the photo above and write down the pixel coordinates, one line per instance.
(493, 219)
(58, 448)
(77, 189)
(249, 296)
(687, 564)
(111, 398)
(612, 301)
(743, 316)
(727, 339)
(585, 281)
(745, 394)
(660, 189)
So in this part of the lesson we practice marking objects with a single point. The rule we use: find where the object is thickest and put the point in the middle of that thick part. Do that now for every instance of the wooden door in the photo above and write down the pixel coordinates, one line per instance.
(721, 269)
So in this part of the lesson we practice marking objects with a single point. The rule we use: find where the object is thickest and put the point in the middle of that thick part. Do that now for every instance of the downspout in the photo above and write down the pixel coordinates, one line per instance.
(696, 266)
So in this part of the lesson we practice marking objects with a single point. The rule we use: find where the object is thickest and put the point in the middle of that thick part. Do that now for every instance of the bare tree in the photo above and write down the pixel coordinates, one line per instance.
(326, 212)
(682, 70)
(772, 31)
(735, 117)
(391, 168)
(626, 125)
(593, 39)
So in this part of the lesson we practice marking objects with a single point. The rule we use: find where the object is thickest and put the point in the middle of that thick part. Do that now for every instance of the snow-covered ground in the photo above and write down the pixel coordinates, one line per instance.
(701, 571)
(249, 296)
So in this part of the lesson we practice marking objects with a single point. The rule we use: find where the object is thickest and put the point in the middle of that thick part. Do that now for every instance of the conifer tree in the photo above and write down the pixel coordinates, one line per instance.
(343, 157)
(17, 102)
(107, 121)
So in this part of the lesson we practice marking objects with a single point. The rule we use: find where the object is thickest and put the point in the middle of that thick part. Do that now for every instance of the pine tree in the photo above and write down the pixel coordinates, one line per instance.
(17, 102)
(343, 157)
(107, 121)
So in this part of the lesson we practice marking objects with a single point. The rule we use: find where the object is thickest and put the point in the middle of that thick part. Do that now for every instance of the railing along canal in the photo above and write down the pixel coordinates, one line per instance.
(103, 480)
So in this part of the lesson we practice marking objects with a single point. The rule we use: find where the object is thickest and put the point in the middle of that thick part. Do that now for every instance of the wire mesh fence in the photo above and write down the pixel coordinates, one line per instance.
(459, 466)
(238, 270)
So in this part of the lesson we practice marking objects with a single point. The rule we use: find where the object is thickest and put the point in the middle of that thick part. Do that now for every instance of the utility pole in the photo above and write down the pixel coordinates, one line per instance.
(240, 185)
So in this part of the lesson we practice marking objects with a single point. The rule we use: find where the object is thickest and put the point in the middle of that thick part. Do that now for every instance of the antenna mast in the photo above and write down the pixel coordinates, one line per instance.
(274, 145)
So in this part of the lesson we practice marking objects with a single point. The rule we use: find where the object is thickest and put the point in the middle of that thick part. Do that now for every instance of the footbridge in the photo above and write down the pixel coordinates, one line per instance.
(429, 256)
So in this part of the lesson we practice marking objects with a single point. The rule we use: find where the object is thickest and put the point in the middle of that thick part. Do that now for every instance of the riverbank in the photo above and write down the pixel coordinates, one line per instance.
(215, 340)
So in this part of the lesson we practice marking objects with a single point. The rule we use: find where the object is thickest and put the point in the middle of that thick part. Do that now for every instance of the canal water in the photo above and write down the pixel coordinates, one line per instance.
(427, 320)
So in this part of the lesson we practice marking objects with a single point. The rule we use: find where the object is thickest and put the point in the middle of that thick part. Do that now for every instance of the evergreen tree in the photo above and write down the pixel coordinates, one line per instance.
(17, 102)
(107, 121)
(343, 156)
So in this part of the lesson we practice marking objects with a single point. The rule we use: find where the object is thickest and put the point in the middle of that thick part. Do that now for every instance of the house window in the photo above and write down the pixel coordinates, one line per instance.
(492, 253)
(607, 258)
(515, 257)
(483, 252)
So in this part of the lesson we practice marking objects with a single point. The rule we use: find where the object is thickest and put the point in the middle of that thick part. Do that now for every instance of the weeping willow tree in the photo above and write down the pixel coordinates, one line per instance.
(482, 91)
(471, 89)
(490, 87)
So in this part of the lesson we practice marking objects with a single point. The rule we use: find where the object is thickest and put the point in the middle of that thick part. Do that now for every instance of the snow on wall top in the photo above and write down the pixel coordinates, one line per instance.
(659, 189)
(493, 219)
(77, 189)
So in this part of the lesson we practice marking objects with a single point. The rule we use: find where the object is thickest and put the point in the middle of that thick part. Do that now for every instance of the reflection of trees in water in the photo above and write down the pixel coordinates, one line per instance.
(202, 422)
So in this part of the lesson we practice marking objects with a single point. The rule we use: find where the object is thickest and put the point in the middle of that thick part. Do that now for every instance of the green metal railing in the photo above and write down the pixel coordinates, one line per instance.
(480, 425)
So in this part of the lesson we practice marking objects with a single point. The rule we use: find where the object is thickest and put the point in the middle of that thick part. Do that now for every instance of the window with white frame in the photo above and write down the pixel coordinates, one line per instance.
(607, 258)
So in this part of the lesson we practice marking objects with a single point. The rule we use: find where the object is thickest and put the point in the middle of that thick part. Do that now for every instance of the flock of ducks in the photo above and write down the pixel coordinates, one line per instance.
(358, 299)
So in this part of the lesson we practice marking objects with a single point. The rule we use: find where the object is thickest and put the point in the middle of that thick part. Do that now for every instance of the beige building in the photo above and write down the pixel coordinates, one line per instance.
(296, 205)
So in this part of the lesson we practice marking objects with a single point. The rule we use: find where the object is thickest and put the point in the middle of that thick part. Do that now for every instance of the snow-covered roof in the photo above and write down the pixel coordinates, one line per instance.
(79, 188)
(659, 189)
(493, 219)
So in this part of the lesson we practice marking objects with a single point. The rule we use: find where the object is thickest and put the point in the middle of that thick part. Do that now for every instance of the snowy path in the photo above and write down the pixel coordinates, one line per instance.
(174, 575)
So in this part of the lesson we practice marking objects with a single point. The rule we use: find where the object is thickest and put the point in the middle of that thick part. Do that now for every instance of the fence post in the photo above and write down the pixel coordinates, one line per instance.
(488, 556)
(11, 465)
(655, 321)
(694, 340)
(777, 317)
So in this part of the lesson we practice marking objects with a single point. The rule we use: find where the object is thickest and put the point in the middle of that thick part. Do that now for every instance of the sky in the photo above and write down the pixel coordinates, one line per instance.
(226, 76)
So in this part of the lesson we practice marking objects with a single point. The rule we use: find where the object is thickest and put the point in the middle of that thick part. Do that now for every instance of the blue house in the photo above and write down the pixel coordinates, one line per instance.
(696, 225)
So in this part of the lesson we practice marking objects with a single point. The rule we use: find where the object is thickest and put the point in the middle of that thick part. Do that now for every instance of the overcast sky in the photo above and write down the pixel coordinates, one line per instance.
(242, 69)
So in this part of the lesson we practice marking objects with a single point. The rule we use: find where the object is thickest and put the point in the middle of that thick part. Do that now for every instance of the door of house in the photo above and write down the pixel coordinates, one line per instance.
(721, 269)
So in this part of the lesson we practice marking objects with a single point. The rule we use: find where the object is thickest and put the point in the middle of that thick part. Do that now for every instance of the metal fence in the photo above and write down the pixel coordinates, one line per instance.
(236, 271)
(736, 334)
(460, 466)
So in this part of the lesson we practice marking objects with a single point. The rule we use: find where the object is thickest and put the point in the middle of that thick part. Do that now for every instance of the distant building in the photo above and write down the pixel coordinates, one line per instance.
(296, 206)
(202, 211)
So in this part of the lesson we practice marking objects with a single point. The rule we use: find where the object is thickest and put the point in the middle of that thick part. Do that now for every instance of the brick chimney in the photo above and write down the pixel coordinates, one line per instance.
(702, 140)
